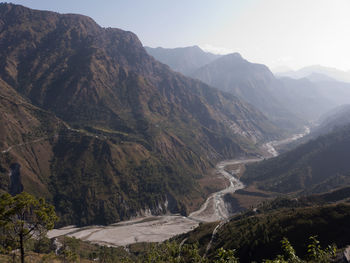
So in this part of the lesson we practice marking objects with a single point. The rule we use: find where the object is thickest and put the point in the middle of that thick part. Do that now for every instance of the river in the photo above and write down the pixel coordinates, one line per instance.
(160, 228)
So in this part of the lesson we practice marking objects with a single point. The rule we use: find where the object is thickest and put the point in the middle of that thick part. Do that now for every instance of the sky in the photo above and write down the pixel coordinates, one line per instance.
(288, 33)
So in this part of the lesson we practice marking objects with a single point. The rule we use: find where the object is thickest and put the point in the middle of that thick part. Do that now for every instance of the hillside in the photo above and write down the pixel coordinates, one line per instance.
(184, 60)
(305, 98)
(257, 236)
(316, 166)
(26, 133)
(251, 82)
(288, 102)
(129, 135)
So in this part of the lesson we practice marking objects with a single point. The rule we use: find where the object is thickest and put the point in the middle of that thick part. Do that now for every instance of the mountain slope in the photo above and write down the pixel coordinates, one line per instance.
(184, 60)
(334, 119)
(304, 98)
(131, 136)
(25, 135)
(316, 166)
(288, 102)
(257, 235)
(251, 82)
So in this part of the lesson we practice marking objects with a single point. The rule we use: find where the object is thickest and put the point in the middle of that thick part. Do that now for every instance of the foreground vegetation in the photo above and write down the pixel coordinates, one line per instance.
(254, 236)
(74, 250)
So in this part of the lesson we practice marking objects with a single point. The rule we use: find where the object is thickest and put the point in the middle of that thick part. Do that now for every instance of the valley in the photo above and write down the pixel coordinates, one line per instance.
(160, 228)
(133, 153)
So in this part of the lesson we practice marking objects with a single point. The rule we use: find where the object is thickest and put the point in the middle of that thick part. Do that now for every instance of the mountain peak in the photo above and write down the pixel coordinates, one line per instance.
(234, 55)
(138, 125)
(182, 59)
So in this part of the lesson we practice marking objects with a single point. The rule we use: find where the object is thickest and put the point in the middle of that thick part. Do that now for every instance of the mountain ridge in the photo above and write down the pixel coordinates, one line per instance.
(133, 135)
(251, 82)
(316, 166)
(184, 60)
(308, 71)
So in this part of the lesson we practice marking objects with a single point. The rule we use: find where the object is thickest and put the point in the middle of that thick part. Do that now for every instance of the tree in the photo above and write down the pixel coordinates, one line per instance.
(315, 253)
(23, 217)
(226, 256)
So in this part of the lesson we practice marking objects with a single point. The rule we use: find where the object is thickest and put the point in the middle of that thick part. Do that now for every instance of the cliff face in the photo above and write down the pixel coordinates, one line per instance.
(101, 128)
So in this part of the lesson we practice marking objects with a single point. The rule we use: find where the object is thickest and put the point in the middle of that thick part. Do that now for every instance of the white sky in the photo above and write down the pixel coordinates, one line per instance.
(292, 33)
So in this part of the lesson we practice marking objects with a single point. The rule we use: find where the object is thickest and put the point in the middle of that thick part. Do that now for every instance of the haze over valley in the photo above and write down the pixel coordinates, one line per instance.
(158, 154)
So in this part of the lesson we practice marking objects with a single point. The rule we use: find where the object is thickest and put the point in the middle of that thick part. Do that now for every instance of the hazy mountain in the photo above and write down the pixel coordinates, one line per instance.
(336, 118)
(316, 166)
(336, 91)
(251, 82)
(184, 59)
(305, 98)
(331, 83)
(286, 101)
(316, 70)
(103, 130)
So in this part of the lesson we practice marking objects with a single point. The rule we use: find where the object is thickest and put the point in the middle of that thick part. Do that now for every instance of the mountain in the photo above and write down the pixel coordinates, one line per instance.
(26, 133)
(317, 72)
(317, 166)
(101, 129)
(251, 82)
(305, 98)
(335, 118)
(336, 91)
(329, 83)
(184, 59)
(287, 102)
(256, 236)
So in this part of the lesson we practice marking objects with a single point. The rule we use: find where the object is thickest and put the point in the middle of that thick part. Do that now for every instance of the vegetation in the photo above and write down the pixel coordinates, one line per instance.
(132, 134)
(315, 254)
(255, 235)
(23, 217)
(75, 250)
(24, 221)
(317, 166)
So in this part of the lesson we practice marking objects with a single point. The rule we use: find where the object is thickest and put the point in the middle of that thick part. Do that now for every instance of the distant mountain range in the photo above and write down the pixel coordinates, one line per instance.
(288, 102)
(104, 131)
(316, 73)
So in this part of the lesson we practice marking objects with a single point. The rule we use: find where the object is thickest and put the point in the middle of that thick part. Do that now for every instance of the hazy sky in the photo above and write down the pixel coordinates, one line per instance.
(292, 33)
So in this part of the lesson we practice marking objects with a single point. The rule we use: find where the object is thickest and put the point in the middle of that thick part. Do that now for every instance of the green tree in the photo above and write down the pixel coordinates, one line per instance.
(226, 256)
(22, 217)
(317, 254)
(290, 255)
